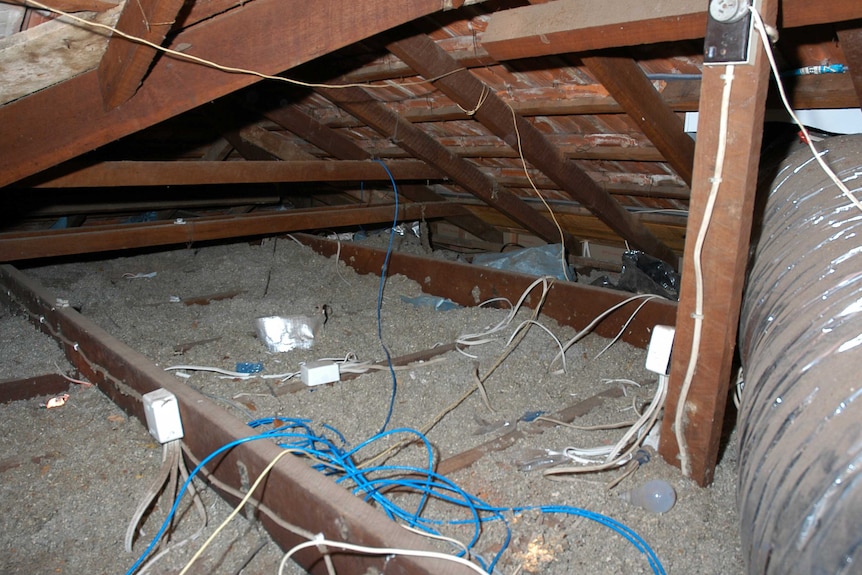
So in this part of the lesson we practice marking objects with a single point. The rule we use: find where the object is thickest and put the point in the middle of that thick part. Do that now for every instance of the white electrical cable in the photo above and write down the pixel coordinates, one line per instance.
(484, 337)
(764, 33)
(761, 27)
(320, 540)
(697, 316)
(610, 457)
(581, 334)
(228, 373)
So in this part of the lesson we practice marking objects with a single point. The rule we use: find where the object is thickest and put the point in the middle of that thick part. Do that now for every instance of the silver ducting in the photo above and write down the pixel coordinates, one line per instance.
(800, 477)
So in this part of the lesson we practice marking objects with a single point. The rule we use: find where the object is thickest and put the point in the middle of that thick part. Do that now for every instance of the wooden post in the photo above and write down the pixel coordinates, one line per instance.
(724, 256)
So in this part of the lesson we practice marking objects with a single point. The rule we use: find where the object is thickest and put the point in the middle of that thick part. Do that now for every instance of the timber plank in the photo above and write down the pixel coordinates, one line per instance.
(93, 239)
(171, 173)
(576, 26)
(293, 492)
(30, 387)
(724, 258)
(569, 303)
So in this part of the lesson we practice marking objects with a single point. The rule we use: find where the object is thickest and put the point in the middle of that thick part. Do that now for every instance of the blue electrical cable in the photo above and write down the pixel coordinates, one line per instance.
(372, 483)
(380, 299)
(182, 490)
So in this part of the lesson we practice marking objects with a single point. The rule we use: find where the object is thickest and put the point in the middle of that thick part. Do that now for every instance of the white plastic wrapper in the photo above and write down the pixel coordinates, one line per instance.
(280, 333)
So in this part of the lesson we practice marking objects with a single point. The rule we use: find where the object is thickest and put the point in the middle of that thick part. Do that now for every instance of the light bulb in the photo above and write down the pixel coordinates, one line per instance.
(655, 495)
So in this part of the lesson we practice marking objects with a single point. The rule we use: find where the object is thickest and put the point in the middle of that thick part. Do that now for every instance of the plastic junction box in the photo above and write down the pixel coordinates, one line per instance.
(163, 415)
(319, 372)
(659, 350)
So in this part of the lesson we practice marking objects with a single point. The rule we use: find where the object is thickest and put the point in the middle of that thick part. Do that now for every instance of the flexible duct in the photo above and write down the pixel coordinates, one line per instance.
(800, 483)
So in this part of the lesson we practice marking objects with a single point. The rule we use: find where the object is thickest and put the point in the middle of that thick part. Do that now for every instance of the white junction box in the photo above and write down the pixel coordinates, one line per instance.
(163, 415)
(319, 372)
(659, 350)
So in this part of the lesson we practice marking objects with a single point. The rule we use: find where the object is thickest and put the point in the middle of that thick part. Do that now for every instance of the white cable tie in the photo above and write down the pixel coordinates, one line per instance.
(696, 316)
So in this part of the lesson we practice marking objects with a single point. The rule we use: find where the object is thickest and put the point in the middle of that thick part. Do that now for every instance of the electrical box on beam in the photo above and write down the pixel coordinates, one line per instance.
(729, 28)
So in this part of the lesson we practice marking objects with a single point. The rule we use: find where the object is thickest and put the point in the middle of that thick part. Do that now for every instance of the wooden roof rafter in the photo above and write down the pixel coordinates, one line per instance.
(431, 61)
(292, 118)
(372, 112)
(125, 63)
(628, 85)
(68, 119)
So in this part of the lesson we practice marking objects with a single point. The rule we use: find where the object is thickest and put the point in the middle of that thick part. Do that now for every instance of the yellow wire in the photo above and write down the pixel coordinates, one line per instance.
(535, 189)
(223, 68)
(235, 70)
(237, 509)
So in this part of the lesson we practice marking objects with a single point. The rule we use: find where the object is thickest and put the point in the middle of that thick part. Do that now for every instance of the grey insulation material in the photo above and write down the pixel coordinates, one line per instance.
(800, 486)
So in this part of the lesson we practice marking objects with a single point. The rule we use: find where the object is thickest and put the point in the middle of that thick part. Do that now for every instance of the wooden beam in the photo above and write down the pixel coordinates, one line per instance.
(30, 387)
(569, 303)
(230, 122)
(72, 5)
(278, 146)
(810, 91)
(124, 207)
(850, 40)
(42, 56)
(125, 63)
(796, 13)
(66, 120)
(94, 239)
(627, 83)
(724, 257)
(170, 173)
(293, 492)
(314, 132)
(293, 119)
(429, 60)
(362, 105)
(576, 26)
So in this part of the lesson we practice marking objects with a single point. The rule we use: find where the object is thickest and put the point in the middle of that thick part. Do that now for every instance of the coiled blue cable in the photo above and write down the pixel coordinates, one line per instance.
(372, 483)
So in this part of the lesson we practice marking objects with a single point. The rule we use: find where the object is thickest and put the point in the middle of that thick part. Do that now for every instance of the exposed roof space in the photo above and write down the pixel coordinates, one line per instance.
(600, 131)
